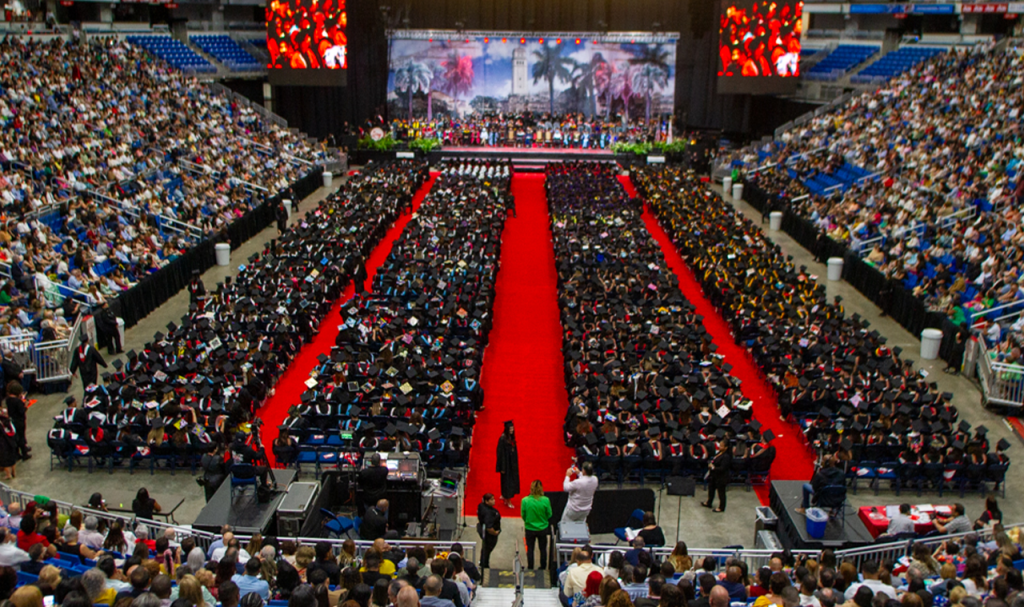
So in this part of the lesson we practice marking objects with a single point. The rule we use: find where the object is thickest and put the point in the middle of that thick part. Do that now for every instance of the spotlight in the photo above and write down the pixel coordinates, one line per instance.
(542, 41)
(504, 40)
(486, 40)
(558, 40)
(522, 41)
(577, 41)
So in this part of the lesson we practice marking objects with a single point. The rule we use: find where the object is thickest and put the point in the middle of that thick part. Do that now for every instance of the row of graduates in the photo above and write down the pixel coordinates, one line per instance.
(205, 378)
(643, 377)
(404, 372)
(854, 394)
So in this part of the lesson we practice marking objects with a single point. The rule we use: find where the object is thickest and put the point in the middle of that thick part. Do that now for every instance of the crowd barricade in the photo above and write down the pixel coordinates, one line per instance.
(48, 361)
(1002, 384)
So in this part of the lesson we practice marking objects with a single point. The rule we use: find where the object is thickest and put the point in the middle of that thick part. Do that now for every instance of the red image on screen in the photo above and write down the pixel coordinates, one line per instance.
(760, 38)
(304, 34)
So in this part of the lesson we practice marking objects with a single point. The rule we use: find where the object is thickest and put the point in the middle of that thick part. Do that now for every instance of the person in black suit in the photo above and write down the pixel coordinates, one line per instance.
(375, 523)
(719, 470)
(373, 482)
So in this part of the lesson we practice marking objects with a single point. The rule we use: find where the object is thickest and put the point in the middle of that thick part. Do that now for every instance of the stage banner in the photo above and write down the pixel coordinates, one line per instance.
(483, 74)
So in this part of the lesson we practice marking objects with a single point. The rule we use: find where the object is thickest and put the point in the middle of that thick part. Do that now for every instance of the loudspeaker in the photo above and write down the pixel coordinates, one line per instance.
(682, 485)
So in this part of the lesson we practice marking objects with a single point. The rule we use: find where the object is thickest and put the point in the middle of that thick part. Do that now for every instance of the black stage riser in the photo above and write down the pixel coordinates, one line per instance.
(785, 498)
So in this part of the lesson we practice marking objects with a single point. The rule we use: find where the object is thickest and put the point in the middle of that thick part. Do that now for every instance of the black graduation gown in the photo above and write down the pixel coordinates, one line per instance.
(508, 467)
(8, 445)
(87, 361)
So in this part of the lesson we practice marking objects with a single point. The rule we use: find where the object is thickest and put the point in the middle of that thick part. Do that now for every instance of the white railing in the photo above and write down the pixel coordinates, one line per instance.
(175, 225)
(757, 558)
(1001, 383)
(19, 348)
(52, 359)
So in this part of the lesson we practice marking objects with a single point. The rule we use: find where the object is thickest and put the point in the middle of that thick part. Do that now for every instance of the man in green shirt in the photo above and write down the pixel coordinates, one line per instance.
(536, 512)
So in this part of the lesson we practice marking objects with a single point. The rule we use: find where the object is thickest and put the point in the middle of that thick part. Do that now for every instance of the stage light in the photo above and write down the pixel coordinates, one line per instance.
(542, 41)
(467, 40)
(558, 40)
(486, 40)
(430, 40)
(632, 41)
(522, 41)
(504, 40)
(595, 40)
(577, 41)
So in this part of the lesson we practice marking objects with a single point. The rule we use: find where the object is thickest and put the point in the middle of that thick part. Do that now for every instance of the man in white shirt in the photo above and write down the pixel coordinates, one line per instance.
(581, 493)
(90, 536)
(576, 580)
(231, 542)
(869, 571)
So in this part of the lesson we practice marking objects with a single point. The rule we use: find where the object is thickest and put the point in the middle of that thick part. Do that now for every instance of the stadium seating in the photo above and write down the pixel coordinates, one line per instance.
(895, 63)
(174, 52)
(227, 51)
(840, 61)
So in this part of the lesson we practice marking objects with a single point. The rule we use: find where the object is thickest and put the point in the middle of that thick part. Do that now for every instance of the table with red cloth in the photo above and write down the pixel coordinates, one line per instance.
(876, 518)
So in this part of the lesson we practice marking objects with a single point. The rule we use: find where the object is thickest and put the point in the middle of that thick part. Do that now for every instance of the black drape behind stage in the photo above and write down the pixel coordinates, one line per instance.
(611, 508)
(152, 291)
(898, 302)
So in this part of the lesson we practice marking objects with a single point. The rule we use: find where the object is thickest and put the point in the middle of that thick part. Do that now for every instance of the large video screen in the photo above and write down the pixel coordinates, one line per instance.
(759, 45)
(480, 74)
(307, 34)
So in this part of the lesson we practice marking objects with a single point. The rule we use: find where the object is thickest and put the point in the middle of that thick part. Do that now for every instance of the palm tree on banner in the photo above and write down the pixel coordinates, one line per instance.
(621, 87)
(551, 65)
(411, 77)
(652, 70)
(602, 78)
(456, 74)
(646, 79)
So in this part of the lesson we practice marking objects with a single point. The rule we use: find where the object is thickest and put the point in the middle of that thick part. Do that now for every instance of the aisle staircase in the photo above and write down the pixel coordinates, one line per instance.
(506, 597)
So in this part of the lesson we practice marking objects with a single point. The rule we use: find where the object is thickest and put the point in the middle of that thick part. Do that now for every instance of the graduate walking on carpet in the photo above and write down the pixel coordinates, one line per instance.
(508, 464)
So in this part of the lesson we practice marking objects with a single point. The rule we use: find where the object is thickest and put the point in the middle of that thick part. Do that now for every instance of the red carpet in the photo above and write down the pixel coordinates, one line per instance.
(523, 377)
(794, 459)
(290, 387)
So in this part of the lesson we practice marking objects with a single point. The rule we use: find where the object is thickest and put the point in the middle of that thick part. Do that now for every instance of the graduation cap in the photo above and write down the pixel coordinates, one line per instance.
(919, 426)
(458, 431)
(858, 426)
(958, 444)
(768, 435)
(981, 430)
(897, 350)
(947, 396)
(964, 426)
(1002, 445)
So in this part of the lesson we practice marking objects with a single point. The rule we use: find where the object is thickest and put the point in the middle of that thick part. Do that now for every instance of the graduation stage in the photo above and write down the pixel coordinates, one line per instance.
(523, 159)
(785, 498)
(244, 512)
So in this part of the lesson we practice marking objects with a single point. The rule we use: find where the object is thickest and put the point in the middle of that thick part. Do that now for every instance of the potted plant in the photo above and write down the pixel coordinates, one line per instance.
(423, 146)
(673, 151)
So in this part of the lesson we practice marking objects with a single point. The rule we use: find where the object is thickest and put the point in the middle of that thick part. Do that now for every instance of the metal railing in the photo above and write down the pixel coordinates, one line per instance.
(757, 558)
(165, 221)
(204, 538)
(47, 360)
(1001, 383)
(243, 101)
(52, 359)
